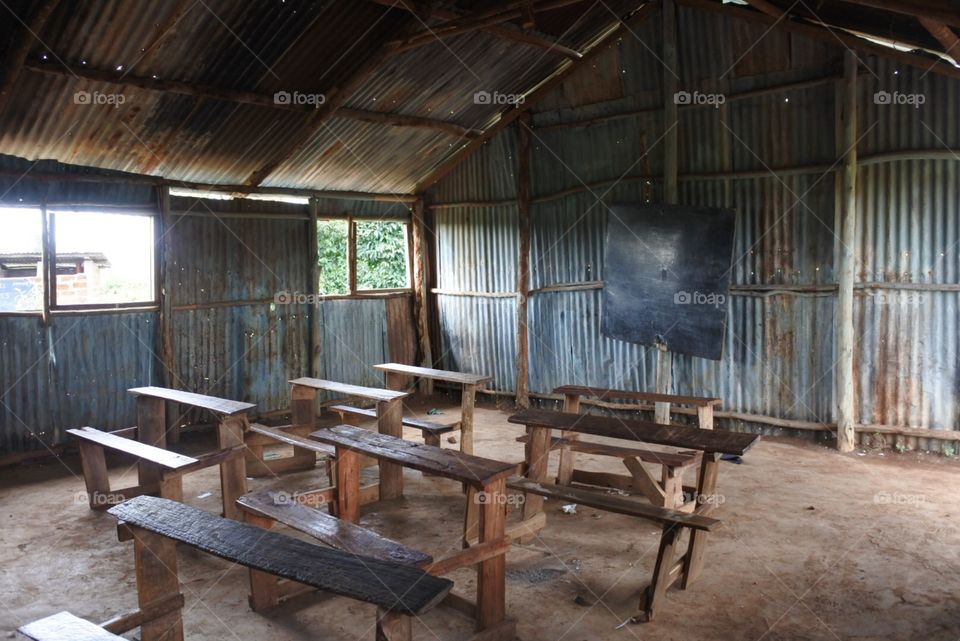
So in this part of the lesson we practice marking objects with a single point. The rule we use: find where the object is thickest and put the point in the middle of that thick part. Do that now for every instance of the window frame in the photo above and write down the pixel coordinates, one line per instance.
(353, 290)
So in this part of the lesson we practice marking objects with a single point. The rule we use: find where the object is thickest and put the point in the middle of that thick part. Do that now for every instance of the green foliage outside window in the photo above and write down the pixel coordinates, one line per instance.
(332, 256)
(381, 255)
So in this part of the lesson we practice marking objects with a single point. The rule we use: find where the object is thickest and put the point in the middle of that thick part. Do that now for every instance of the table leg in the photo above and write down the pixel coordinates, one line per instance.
(467, 402)
(151, 430)
(568, 457)
(233, 473)
(704, 503)
(471, 519)
(538, 455)
(264, 592)
(390, 422)
(491, 597)
(348, 485)
(303, 412)
(156, 567)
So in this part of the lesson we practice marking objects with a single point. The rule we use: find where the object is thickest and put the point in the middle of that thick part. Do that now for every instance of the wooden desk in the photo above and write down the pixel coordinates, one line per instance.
(396, 375)
(485, 477)
(303, 403)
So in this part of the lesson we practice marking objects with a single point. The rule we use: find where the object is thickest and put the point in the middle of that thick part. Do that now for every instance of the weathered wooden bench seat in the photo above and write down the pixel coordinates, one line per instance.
(399, 591)
(431, 430)
(64, 626)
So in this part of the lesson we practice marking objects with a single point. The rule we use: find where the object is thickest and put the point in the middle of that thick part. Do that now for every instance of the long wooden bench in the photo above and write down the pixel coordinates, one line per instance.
(431, 430)
(399, 591)
(64, 626)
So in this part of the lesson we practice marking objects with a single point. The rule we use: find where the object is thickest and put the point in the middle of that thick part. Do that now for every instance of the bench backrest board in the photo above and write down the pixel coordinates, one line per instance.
(435, 374)
(603, 393)
(158, 455)
(372, 393)
(722, 442)
(222, 406)
(391, 586)
(452, 464)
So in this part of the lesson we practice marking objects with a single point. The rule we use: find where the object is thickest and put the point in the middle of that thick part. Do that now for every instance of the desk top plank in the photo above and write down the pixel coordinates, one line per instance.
(435, 374)
(372, 393)
(222, 406)
(391, 586)
(653, 397)
(451, 464)
(64, 626)
(158, 455)
(724, 442)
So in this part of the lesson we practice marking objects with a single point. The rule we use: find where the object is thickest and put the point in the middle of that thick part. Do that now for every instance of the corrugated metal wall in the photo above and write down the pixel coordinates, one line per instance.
(779, 354)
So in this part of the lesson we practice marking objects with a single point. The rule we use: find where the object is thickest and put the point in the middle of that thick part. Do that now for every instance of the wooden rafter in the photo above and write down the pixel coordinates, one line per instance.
(243, 97)
(26, 38)
(546, 86)
(945, 36)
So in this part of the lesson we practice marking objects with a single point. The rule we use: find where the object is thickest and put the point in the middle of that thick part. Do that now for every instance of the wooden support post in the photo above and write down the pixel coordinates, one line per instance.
(165, 282)
(171, 486)
(316, 340)
(421, 290)
(538, 456)
(568, 457)
(233, 472)
(392, 626)
(491, 597)
(348, 485)
(390, 422)
(846, 414)
(303, 414)
(664, 383)
(151, 429)
(664, 573)
(705, 501)
(471, 517)
(156, 568)
(352, 255)
(705, 417)
(468, 400)
(264, 592)
(95, 476)
(671, 112)
(523, 259)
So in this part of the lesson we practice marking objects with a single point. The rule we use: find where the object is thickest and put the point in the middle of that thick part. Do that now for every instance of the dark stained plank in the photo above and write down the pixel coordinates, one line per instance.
(435, 374)
(278, 434)
(644, 431)
(670, 459)
(160, 456)
(602, 500)
(222, 406)
(605, 394)
(64, 626)
(451, 464)
(426, 426)
(391, 586)
(330, 530)
(373, 393)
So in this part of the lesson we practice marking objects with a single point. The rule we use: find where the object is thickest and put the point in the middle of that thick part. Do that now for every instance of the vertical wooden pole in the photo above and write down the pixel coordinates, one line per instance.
(352, 255)
(165, 279)
(664, 383)
(233, 472)
(846, 418)
(47, 258)
(523, 262)
(468, 401)
(316, 347)
(421, 298)
(390, 422)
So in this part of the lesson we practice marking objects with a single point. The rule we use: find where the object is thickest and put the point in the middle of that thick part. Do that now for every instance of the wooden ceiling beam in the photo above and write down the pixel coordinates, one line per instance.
(642, 13)
(945, 36)
(23, 42)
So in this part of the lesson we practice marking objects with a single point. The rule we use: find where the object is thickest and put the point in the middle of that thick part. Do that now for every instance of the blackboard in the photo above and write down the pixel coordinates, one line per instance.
(667, 276)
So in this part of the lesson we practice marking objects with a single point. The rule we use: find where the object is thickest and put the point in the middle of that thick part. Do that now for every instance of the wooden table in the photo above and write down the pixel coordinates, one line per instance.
(396, 375)
(487, 514)
(303, 404)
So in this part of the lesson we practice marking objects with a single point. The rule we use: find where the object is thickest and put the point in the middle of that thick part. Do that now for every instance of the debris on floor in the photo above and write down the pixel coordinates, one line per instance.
(569, 508)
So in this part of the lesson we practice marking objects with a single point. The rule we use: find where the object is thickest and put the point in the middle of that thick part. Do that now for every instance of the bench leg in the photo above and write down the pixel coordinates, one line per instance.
(704, 501)
(151, 429)
(171, 486)
(303, 412)
(233, 472)
(264, 587)
(390, 422)
(665, 572)
(491, 573)
(156, 565)
(568, 458)
(431, 439)
(393, 627)
(348, 485)
(538, 456)
(95, 477)
(471, 521)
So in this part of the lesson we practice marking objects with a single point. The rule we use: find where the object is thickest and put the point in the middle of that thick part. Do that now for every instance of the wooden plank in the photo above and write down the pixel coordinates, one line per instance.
(279, 435)
(613, 503)
(470, 556)
(427, 426)
(653, 397)
(389, 585)
(164, 458)
(372, 393)
(434, 374)
(451, 464)
(348, 485)
(642, 431)
(221, 406)
(670, 459)
(330, 530)
(64, 626)
(130, 620)
(94, 466)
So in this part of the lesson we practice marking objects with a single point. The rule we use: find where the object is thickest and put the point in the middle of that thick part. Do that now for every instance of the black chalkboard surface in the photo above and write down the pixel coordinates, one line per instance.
(667, 276)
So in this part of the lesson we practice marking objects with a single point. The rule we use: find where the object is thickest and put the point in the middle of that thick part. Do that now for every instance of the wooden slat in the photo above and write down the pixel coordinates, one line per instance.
(64, 626)
(612, 503)
(435, 374)
(222, 406)
(642, 431)
(372, 393)
(277, 434)
(165, 458)
(451, 464)
(391, 586)
(426, 426)
(669, 459)
(329, 529)
(653, 397)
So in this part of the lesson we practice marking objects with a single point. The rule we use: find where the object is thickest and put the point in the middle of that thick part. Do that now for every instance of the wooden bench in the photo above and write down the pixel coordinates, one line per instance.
(399, 591)
(484, 518)
(431, 431)
(64, 626)
(671, 565)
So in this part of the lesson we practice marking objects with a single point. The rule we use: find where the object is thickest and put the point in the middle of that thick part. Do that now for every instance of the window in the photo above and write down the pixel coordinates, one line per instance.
(102, 259)
(21, 260)
(357, 256)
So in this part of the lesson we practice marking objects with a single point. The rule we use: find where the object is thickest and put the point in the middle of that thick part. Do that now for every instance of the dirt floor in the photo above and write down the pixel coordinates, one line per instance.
(814, 545)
